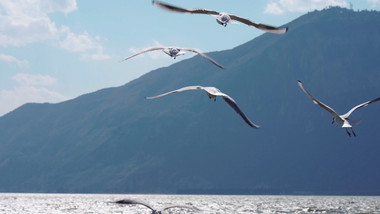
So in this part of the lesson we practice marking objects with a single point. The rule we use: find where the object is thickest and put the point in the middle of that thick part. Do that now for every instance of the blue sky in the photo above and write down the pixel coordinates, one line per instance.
(54, 50)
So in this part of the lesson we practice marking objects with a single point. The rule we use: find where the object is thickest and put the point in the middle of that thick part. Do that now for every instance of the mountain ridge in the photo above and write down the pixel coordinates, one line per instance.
(113, 140)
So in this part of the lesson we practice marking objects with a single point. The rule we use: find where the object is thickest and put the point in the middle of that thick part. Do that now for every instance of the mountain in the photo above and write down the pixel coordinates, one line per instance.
(115, 141)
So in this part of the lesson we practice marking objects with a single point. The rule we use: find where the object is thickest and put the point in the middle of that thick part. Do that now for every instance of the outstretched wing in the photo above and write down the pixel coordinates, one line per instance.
(181, 207)
(130, 201)
(203, 55)
(175, 91)
(231, 102)
(317, 101)
(144, 51)
(359, 106)
(183, 10)
(264, 27)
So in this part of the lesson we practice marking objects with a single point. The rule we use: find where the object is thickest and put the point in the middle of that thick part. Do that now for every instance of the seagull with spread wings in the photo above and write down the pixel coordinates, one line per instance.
(154, 211)
(221, 17)
(176, 51)
(212, 93)
(341, 120)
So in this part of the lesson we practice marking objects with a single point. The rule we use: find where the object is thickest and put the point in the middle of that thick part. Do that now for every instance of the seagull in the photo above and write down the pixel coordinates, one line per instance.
(212, 93)
(341, 120)
(221, 17)
(129, 201)
(176, 51)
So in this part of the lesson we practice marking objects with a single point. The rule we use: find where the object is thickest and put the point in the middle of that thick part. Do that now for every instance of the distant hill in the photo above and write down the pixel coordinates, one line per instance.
(115, 141)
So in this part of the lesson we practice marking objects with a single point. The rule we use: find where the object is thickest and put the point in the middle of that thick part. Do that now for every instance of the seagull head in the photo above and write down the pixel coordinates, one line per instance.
(211, 96)
(223, 19)
(173, 52)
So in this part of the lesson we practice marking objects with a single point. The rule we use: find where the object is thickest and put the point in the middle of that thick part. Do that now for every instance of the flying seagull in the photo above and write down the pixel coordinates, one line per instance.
(213, 92)
(176, 51)
(341, 120)
(221, 17)
(154, 211)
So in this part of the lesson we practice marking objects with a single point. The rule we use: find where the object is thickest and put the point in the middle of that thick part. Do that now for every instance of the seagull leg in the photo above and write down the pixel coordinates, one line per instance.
(353, 131)
(349, 134)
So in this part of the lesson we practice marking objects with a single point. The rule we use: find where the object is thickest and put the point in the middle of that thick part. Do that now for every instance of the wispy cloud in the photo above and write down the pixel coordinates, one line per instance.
(88, 46)
(31, 89)
(374, 2)
(25, 79)
(273, 8)
(279, 7)
(12, 59)
(26, 22)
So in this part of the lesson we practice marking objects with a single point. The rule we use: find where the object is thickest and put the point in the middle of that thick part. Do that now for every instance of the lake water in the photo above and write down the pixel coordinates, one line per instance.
(13, 203)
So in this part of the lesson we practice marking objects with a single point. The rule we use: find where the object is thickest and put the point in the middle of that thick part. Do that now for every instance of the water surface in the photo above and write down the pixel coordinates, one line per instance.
(13, 203)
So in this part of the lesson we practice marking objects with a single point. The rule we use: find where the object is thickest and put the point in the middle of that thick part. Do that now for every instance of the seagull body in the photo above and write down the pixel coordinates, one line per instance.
(341, 120)
(154, 211)
(212, 93)
(176, 51)
(221, 17)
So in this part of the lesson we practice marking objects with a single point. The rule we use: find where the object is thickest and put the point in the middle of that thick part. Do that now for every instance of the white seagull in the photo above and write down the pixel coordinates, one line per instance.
(154, 211)
(341, 120)
(213, 92)
(176, 51)
(221, 17)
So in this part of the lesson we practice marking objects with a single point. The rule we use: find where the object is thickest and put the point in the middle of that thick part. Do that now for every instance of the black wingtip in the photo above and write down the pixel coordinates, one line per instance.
(123, 201)
(299, 81)
(286, 29)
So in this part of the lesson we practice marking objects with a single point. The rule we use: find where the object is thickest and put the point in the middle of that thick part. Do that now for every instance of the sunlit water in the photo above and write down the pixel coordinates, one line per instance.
(103, 203)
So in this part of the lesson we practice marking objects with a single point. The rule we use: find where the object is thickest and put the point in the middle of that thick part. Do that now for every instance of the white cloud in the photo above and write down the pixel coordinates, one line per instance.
(24, 22)
(83, 43)
(273, 8)
(282, 6)
(12, 59)
(31, 89)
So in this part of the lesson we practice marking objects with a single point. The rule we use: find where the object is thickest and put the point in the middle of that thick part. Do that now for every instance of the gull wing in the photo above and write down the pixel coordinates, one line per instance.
(144, 51)
(264, 27)
(181, 207)
(203, 55)
(231, 102)
(134, 202)
(359, 106)
(175, 91)
(329, 109)
(183, 10)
